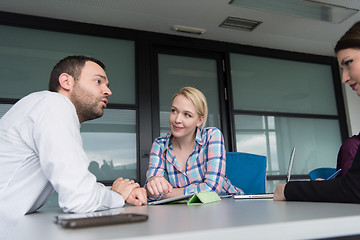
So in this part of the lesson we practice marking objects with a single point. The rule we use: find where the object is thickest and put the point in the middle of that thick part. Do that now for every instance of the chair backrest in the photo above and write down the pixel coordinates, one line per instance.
(323, 173)
(246, 171)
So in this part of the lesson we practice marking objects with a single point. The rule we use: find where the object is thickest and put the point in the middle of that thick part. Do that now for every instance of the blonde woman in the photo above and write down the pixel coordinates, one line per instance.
(191, 156)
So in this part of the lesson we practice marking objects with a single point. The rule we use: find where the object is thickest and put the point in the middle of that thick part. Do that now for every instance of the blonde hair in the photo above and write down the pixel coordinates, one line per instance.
(197, 98)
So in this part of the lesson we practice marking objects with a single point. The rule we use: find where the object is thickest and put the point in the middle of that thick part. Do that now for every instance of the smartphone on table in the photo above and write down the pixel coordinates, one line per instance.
(98, 219)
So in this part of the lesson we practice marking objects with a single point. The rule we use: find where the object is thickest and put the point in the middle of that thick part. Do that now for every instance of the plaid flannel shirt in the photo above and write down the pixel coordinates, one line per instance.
(205, 167)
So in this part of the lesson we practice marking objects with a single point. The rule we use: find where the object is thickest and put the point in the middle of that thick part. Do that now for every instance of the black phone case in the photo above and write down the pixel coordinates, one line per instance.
(102, 220)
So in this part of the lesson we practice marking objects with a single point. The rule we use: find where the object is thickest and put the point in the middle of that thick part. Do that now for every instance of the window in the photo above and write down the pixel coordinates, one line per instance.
(281, 103)
(263, 105)
(110, 141)
(176, 72)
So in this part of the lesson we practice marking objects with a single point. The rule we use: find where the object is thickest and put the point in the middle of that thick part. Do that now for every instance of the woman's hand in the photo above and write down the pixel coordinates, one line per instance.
(157, 186)
(279, 193)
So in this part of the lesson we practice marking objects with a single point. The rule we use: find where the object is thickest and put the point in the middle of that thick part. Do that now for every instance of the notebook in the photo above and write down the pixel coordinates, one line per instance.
(270, 195)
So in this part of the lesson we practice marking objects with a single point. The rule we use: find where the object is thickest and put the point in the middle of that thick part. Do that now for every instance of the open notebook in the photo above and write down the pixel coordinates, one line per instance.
(270, 195)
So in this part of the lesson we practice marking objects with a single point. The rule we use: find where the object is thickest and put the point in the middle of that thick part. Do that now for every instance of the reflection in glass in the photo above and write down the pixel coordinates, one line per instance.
(4, 108)
(176, 72)
(254, 143)
(317, 141)
(26, 65)
(276, 85)
(273, 162)
(111, 155)
(110, 143)
(271, 185)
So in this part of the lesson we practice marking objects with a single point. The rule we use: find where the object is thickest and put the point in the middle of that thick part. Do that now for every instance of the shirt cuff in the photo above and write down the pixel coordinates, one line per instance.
(116, 200)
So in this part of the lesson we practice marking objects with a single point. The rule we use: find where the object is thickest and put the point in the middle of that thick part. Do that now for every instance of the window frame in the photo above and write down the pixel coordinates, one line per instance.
(292, 56)
(64, 26)
(145, 44)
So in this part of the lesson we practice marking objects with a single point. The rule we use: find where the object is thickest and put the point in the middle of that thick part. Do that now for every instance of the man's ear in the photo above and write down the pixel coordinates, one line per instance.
(66, 81)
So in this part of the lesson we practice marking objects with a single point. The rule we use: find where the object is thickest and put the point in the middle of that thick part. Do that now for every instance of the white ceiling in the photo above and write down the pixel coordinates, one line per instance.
(277, 31)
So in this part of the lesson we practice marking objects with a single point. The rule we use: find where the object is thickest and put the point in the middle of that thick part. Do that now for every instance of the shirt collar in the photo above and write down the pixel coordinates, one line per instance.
(198, 138)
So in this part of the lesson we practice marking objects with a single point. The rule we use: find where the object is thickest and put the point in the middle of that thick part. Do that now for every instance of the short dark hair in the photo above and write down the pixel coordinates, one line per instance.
(71, 65)
(351, 39)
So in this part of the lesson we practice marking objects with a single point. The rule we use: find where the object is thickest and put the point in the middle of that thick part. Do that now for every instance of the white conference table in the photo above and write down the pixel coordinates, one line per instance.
(236, 219)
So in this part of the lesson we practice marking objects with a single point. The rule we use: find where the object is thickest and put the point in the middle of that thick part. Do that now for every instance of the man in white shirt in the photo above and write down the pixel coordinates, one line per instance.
(41, 147)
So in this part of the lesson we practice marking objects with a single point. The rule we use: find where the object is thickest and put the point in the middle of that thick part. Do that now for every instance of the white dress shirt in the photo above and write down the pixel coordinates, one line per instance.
(41, 150)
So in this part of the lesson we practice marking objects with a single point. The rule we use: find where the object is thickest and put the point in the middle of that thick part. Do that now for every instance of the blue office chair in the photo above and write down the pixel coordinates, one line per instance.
(246, 171)
(321, 173)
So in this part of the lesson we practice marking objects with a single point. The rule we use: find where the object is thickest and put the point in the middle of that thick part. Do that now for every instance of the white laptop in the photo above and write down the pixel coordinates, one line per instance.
(270, 195)
(254, 196)
(291, 162)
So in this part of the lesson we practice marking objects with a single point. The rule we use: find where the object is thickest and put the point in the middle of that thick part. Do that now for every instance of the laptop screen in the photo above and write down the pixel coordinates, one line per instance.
(291, 162)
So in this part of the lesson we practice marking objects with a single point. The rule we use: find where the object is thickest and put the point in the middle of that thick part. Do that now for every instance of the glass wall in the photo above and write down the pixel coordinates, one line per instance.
(4, 108)
(279, 104)
(110, 142)
(276, 85)
(276, 103)
(274, 137)
(27, 57)
(176, 72)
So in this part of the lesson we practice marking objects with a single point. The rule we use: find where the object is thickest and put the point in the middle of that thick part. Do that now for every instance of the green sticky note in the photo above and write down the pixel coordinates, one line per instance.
(203, 197)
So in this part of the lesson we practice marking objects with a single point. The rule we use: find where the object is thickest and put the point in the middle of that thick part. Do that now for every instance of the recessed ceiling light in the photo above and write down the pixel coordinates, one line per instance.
(314, 9)
(240, 23)
(185, 29)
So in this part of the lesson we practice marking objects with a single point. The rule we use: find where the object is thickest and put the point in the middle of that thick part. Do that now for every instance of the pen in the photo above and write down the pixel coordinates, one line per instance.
(334, 174)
